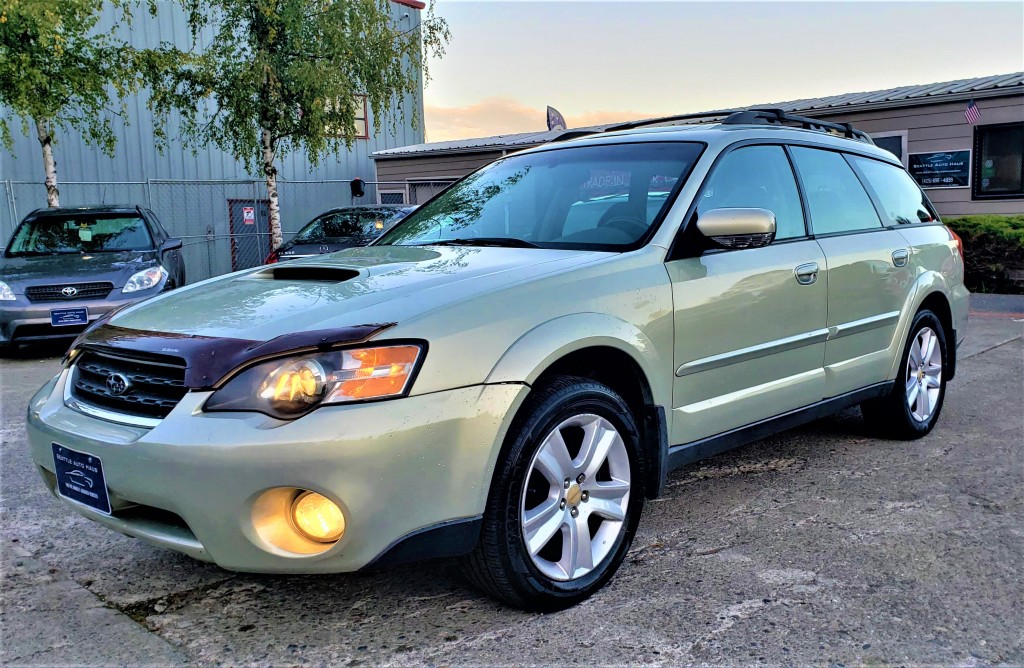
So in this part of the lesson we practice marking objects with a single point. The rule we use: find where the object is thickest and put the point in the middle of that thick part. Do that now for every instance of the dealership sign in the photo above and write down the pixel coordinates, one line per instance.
(941, 169)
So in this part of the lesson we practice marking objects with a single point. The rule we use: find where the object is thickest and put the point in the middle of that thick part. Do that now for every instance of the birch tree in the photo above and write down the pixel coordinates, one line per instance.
(276, 76)
(58, 73)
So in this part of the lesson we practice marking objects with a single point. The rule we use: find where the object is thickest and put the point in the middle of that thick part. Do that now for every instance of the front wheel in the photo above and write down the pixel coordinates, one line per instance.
(912, 408)
(565, 501)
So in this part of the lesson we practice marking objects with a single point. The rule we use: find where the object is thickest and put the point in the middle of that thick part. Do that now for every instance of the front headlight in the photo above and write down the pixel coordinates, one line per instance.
(290, 388)
(6, 294)
(145, 279)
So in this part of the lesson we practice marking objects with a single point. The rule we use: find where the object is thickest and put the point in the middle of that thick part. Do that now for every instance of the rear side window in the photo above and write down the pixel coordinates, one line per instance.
(837, 200)
(902, 200)
(757, 177)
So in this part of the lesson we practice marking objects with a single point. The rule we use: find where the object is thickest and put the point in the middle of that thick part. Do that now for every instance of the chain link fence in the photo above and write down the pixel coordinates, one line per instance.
(223, 225)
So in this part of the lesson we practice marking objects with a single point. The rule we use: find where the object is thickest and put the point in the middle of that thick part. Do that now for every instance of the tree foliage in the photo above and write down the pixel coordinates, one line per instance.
(270, 77)
(293, 68)
(56, 69)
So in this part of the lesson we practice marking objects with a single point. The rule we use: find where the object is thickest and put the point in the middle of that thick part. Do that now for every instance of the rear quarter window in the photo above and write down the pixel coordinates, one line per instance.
(903, 201)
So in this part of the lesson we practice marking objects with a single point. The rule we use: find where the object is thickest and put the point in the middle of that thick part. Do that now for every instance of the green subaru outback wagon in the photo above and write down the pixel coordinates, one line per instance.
(510, 372)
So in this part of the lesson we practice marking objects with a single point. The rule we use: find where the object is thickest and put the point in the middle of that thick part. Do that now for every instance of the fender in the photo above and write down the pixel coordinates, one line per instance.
(539, 348)
(925, 284)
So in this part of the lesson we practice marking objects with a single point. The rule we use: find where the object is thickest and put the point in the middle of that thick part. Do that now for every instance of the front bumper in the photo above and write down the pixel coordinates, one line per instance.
(22, 320)
(394, 467)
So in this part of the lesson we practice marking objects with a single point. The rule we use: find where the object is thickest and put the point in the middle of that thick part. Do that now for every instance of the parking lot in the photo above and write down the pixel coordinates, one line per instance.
(822, 545)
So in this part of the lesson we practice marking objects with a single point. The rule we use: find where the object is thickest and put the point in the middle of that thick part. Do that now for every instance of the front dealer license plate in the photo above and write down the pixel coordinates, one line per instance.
(80, 478)
(62, 317)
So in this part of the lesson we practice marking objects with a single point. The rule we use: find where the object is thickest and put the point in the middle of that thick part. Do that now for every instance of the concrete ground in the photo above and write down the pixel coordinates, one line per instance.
(819, 546)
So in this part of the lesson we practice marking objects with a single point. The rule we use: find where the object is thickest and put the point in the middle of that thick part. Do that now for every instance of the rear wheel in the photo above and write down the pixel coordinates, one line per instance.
(912, 408)
(565, 501)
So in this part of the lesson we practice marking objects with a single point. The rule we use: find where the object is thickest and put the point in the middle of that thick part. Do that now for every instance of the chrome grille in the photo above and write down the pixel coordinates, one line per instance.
(153, 387)
(56, 293)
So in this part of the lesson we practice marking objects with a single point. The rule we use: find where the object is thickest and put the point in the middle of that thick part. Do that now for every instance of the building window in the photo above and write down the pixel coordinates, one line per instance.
(998, 161)
(392, 197)
(893, 142)
(362, 126)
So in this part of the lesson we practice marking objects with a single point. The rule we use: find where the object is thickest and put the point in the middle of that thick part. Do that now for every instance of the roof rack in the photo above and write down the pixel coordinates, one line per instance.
(668, 119)
(779, 116)
(764, 116)
(574, 134)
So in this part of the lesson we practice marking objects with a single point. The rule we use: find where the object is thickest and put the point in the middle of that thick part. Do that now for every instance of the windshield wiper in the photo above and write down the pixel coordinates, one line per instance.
(499, 242)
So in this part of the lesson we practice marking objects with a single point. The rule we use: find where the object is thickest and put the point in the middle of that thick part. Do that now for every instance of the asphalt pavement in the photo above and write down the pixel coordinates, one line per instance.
(822, 545)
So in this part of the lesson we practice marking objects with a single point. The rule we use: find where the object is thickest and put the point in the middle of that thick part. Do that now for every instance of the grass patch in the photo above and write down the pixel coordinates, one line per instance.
(992, 245)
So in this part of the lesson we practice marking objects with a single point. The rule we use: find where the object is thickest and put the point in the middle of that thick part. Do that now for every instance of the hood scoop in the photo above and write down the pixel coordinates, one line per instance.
(303, 272)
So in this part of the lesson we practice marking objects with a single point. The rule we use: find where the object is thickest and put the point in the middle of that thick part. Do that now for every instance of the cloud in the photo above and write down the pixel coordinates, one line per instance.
(502, 115)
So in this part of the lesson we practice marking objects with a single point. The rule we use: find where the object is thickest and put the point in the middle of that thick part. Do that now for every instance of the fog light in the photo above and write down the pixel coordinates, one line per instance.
(317, 518)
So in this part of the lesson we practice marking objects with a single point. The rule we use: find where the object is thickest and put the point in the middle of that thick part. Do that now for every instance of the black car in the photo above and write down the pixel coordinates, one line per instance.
(344, 227)
(65, 267)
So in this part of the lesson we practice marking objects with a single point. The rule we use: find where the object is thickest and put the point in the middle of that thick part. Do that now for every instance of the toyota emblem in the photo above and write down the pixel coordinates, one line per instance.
(69, 291)
(117, 384)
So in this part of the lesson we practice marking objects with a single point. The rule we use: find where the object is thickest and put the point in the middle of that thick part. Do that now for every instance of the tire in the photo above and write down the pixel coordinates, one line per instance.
(906, 413)
(502, 564)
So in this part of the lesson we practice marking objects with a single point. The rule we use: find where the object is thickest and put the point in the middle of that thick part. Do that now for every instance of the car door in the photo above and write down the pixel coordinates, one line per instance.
(869, 273)
(749, 323)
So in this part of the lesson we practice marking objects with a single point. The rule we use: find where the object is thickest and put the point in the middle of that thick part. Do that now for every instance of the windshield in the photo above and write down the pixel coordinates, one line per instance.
(348, 224)
(589, 197)
(81, 233)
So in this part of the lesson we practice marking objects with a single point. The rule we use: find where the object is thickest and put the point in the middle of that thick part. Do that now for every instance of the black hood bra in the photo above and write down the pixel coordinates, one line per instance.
(211, 361)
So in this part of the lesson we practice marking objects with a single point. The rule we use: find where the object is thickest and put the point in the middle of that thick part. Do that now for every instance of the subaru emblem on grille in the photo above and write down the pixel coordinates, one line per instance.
(118, 384)
(69, 291)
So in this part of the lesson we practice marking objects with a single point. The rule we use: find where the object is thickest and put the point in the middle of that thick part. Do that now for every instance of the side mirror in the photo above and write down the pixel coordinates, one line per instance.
(170, 245)
(738, 228)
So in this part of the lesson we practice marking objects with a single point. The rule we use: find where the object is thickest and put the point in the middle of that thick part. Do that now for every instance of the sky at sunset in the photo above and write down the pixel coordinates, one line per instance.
(601, 62)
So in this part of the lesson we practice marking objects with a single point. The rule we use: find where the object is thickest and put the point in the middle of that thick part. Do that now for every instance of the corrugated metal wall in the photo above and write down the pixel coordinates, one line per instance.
(136, 157)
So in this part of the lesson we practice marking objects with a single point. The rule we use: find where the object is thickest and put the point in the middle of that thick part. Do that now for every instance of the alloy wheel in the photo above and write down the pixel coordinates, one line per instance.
(575, 497)
(924, 374)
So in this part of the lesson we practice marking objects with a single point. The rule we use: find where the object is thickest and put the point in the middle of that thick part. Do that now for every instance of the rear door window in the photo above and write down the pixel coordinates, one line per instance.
(837, 200)
(901, 198)
(758, 177)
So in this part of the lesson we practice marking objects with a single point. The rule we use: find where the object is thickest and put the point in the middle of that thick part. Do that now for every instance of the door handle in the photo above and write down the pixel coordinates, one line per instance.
(900, 257)
(806, 273)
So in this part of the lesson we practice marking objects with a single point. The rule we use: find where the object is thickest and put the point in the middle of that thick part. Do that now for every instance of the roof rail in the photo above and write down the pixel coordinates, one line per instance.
(668, 119)
(574, 134)
(768, 116)
(779, 116)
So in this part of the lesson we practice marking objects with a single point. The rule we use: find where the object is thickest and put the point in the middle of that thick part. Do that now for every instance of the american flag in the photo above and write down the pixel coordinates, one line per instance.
(971, 113)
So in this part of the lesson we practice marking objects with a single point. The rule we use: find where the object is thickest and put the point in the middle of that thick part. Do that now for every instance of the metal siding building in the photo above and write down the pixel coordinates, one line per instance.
(140, 174)
(909, 119)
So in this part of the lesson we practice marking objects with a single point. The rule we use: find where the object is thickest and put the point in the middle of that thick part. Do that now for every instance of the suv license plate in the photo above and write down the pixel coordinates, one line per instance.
(80, 478)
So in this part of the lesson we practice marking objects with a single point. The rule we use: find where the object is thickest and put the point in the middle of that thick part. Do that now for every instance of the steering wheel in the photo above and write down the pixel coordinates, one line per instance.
(630, 225)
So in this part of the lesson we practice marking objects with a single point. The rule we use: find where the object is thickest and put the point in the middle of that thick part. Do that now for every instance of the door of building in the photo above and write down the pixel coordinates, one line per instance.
(250, 232)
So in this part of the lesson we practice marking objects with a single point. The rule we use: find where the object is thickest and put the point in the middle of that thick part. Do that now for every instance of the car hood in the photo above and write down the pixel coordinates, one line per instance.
(372, 285)
(21, 272)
